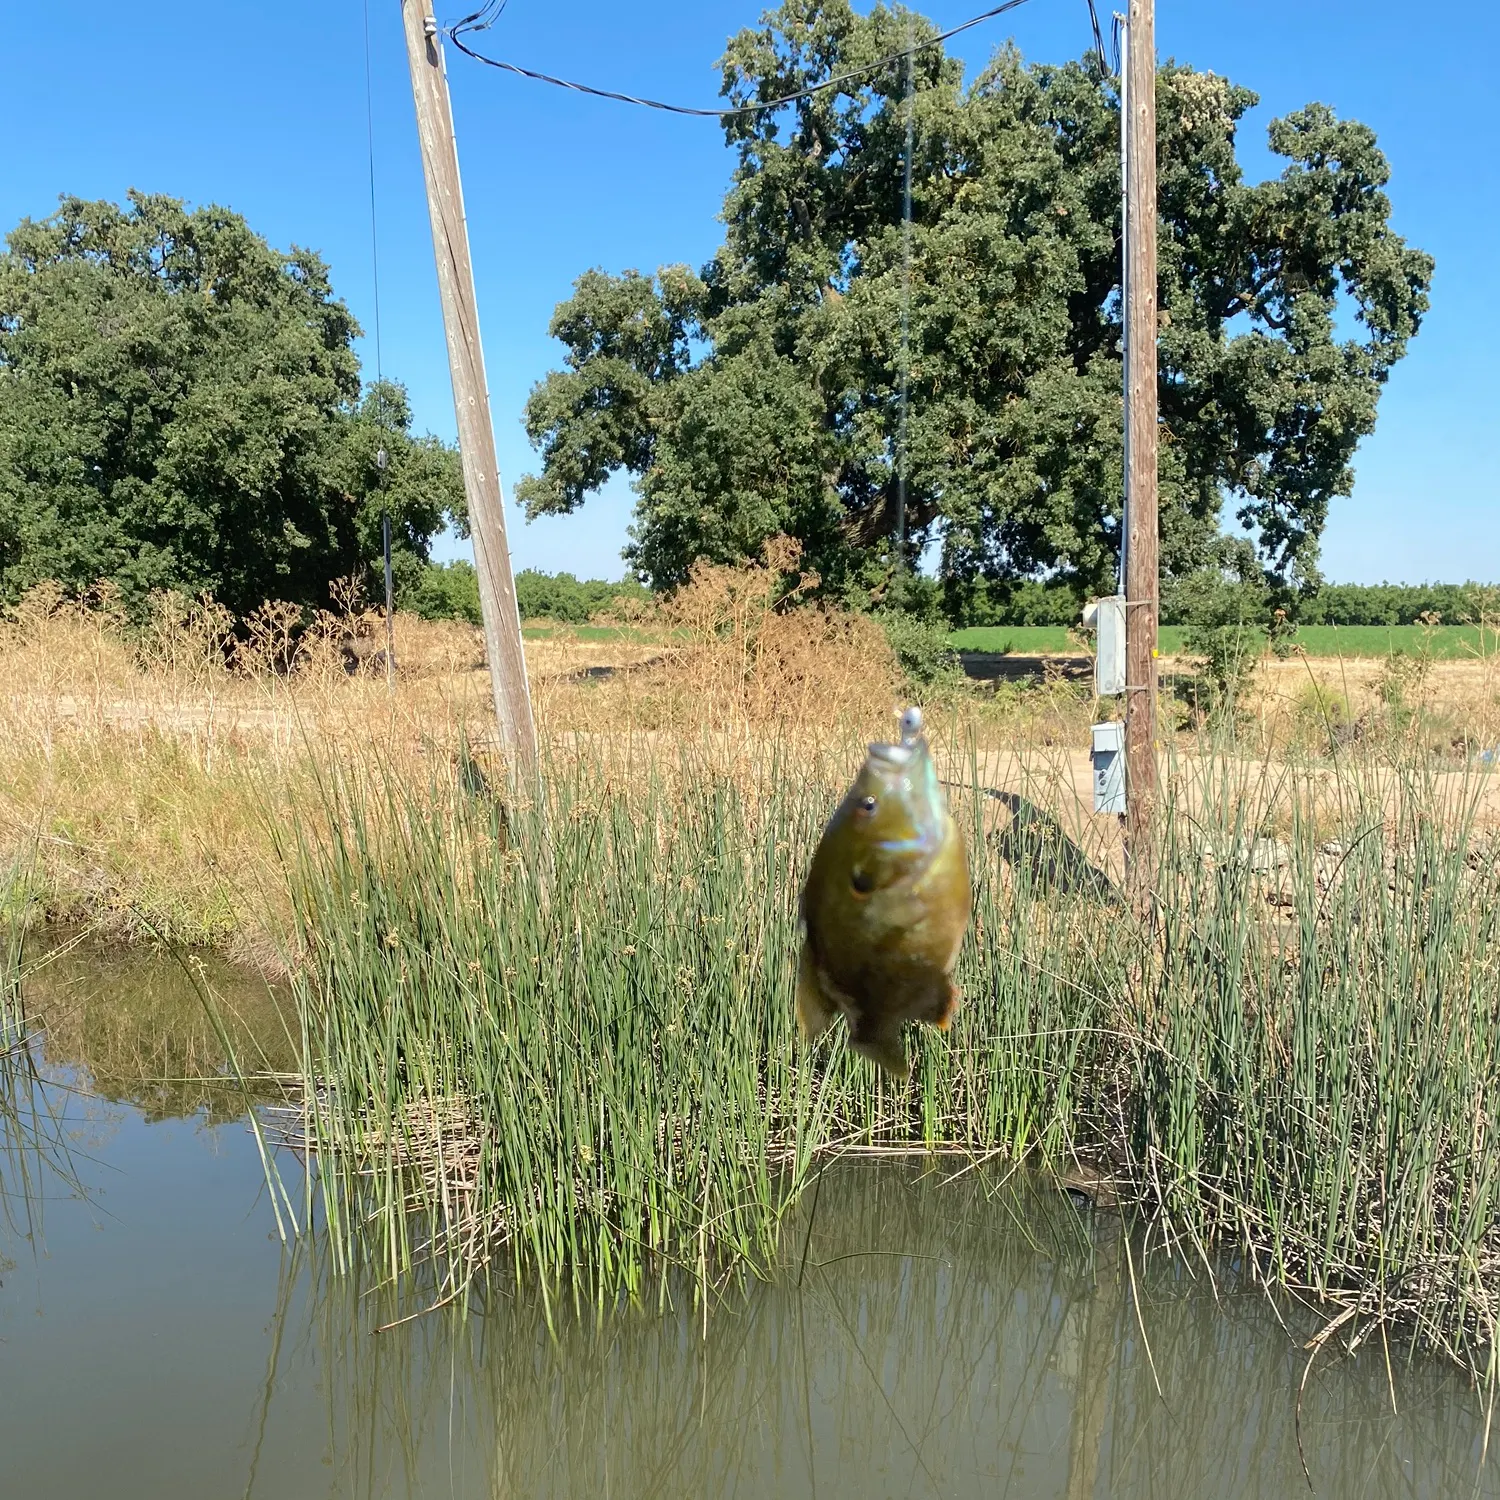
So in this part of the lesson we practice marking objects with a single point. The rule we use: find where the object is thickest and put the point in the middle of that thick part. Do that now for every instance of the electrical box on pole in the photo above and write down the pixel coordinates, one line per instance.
(1106, 618)
(1108, 758)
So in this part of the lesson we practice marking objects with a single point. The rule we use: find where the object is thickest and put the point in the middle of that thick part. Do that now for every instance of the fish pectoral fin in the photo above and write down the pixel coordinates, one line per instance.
(815, 1012)
(933, 1000)
(949, 1004)
(880, 1041)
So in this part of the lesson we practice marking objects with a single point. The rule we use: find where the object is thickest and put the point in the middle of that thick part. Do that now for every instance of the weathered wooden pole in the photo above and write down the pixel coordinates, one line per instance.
(1141, 564)
(471, 399)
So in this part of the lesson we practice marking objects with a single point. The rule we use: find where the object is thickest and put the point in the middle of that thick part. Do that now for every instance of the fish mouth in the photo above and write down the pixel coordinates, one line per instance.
(897, 756)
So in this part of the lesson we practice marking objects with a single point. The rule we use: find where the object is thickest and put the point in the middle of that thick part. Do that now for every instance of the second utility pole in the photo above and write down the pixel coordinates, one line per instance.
(471, 398)
(1139, 123)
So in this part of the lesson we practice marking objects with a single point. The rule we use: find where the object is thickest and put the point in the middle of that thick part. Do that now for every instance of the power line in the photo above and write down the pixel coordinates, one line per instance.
(1098, 38)
(480, 20)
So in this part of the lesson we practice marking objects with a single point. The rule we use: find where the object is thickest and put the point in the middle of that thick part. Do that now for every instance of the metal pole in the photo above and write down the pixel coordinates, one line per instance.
(471, 402)
(1140, 532)
(390, 605)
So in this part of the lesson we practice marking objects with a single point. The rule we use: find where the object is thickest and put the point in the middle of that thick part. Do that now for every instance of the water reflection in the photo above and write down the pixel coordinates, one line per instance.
(34, 1155)
(133, 1024)
(35, 1159)
(926, 1336)
(948, 1339)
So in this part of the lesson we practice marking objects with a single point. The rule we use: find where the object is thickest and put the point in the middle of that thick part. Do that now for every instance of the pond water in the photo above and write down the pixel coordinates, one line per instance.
(935, 1337)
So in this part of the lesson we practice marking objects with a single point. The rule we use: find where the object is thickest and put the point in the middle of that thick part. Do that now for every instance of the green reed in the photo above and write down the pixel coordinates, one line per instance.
(35, 1153)
(557, 1039)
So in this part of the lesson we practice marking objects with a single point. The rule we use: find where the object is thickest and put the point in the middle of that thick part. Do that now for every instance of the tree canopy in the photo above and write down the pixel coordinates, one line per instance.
(181, 407)
(762, 393)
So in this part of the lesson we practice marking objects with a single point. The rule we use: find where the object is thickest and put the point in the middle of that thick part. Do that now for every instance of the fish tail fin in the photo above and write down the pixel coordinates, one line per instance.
(883, 1046)
(814, 1012)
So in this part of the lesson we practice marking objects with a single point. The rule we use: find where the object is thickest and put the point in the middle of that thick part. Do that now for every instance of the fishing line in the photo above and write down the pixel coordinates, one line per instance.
(1122, 34)
(903, 408)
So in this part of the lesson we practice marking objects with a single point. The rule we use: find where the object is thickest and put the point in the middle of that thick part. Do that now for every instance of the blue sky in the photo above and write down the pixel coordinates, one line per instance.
(262, 107)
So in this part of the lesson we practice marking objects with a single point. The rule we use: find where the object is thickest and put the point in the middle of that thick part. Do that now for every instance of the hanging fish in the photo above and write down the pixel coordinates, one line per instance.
(885, 905)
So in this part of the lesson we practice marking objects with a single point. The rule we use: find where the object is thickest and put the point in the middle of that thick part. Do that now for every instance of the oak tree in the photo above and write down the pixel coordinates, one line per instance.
(181, 407)
(762, 393)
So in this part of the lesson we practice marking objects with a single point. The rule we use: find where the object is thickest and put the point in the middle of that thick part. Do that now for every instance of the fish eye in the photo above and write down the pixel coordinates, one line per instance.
(867, 804)
(862, 881)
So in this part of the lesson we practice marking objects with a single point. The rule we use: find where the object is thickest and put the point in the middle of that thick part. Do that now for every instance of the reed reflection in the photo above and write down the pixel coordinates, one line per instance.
(938, 1337)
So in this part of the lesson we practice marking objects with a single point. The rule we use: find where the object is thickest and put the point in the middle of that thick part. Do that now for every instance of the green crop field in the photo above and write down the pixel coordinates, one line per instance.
(1443, 642)
(547, 630)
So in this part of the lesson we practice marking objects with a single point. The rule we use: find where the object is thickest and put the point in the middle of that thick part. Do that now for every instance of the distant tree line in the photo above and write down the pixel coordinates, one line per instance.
(450, 591)
(1208, 599)
(1393, 603)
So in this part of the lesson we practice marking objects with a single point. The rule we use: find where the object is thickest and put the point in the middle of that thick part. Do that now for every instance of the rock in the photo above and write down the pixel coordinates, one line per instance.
(1269, 854)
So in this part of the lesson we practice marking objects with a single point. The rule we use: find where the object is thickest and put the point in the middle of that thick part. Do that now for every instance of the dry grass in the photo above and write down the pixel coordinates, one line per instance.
(136, 765)
(142, 767)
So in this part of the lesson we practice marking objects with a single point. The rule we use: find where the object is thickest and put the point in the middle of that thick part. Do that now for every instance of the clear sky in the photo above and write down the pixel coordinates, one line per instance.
(261, 107)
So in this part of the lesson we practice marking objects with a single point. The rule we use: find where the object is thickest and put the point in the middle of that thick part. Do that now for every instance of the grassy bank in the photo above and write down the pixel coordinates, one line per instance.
(582, 1069)
(142, 769)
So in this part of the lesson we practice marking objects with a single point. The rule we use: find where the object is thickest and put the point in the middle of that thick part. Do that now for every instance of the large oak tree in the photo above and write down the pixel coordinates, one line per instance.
(762, 393)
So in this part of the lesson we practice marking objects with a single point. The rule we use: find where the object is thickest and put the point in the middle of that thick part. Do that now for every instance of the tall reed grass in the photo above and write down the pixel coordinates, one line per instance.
(581, 1070)
(13, 910)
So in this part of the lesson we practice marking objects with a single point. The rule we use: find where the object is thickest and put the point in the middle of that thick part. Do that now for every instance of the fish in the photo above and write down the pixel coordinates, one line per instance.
(885, 906)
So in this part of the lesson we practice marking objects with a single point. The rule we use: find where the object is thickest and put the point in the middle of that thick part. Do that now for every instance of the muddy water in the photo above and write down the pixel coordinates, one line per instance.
(928, 1337)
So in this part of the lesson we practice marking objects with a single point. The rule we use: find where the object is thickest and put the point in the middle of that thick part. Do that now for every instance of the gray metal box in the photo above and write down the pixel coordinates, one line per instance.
(1107, 619)
(1109, 767)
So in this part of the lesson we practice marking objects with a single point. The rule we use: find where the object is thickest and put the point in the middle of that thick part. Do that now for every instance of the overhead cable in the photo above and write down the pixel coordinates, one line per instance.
(480, 20)
(1098, 39)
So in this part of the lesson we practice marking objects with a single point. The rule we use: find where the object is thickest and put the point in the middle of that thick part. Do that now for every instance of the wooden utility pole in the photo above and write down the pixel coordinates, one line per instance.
(471, 399)
(1139, 123)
